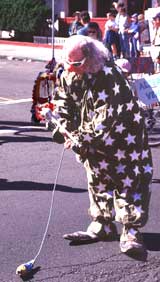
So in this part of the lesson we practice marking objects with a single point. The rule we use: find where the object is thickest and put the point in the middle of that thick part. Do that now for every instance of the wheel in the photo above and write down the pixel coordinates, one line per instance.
(154, 128)
(42, 94)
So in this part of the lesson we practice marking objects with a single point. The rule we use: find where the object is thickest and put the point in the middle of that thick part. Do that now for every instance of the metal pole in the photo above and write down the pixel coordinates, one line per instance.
(52, 28)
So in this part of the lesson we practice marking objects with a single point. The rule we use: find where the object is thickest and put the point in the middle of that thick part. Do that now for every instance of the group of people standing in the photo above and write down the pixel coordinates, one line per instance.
(82, 25)
(121, 35)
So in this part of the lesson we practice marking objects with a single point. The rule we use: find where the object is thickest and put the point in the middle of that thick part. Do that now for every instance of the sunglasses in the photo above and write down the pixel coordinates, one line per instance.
(76, 64)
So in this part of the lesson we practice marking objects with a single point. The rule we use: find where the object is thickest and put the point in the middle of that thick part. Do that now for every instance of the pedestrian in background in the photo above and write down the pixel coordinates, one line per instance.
(144, 37)
(134, 36)
(95, 103)
(123, 24)
(111, 38)
(125, 66)
(156, 41)
(85, 19)
(76, 24)
(94, 31)
(156, 30)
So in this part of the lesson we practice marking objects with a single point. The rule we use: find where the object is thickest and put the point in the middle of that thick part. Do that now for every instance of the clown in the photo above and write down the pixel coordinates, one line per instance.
(95, 103)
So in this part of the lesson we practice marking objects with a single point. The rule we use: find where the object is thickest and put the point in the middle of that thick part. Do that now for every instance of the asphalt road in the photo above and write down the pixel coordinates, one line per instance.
(28, 165)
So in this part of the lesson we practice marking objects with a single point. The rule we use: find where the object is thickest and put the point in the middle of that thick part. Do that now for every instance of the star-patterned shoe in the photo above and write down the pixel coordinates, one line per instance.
(80, 236)
(95, 231)
(131, 241)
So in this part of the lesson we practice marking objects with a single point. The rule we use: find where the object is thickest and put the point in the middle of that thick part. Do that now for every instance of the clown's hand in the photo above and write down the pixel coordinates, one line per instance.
(82, 152)
(68, 142)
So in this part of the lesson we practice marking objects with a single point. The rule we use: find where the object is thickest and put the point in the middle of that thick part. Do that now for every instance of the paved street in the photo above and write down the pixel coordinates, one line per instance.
(28, 164)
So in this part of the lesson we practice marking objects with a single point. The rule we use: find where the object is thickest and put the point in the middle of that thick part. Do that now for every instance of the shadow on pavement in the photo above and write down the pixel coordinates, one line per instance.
(35, 186)
(142, 256)
(31, 274)
(11, 139)
(86, 242)
(155, 180)
(18, 123)
(152, 241)
(21, 132)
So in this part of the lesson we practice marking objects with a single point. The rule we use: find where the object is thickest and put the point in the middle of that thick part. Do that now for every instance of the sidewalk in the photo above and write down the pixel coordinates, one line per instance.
(35, 51)
(28, 51)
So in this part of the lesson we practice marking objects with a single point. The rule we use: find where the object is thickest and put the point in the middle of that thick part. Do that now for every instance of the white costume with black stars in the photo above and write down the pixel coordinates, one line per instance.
(102, 112)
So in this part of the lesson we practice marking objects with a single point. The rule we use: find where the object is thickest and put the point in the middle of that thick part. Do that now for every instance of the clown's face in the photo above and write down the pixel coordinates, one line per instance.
(76, 62)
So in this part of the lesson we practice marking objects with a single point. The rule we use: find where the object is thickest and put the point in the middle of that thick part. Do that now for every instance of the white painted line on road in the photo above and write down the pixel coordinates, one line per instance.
(10, 102)
(6, 99)
(7, 131)
(13, 130)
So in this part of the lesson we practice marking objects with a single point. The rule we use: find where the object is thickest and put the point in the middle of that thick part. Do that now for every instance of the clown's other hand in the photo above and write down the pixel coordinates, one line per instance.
(68, 143)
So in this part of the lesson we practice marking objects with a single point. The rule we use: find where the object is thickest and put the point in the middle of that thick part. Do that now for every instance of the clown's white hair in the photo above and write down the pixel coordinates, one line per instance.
(94, 50)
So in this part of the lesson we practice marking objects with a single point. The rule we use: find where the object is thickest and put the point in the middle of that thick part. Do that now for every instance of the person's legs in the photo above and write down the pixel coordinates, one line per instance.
(131, 240)
(121, 38)
(101, 208)
(101, 211)
(100, 189)
(135, 50)
(126, 44)
(114, 51)
(112, 43)
(132, 211)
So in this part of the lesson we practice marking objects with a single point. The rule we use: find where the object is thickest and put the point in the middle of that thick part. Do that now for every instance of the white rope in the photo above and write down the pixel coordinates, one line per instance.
(51, 207)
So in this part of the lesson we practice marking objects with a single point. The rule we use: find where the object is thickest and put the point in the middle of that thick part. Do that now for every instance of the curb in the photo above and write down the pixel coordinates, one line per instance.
(11, 45)
(29, 44)
(24, 59)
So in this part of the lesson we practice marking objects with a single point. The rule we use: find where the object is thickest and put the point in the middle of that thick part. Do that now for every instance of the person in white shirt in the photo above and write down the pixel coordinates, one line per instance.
(156, 42)
(111, 37)
(156, 30)
(122, 21)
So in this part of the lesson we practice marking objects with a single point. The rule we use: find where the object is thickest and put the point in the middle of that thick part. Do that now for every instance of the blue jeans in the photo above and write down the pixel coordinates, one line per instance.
(134, 50)
(124, 43)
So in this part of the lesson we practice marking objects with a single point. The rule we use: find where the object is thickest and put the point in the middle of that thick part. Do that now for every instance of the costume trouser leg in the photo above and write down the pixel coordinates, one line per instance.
(132, 209)
(101, 207)
(108, 202)
(132, 212)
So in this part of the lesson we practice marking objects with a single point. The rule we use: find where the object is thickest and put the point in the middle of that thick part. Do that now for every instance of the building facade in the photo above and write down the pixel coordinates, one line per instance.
(64, 10)
(98, 8)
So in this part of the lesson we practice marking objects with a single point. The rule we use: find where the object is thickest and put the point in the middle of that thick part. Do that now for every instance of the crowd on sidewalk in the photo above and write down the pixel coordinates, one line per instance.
(123, 35)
